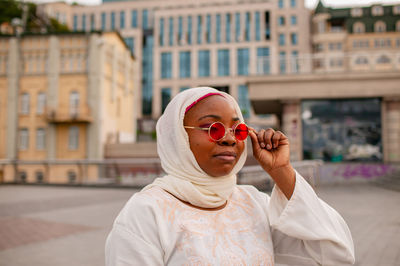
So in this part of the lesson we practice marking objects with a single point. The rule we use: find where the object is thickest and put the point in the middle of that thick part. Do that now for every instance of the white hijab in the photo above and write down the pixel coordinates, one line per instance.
(185, 179)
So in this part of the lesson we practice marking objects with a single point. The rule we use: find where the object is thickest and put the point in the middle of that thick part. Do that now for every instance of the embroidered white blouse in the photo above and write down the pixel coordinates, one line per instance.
(155, 228)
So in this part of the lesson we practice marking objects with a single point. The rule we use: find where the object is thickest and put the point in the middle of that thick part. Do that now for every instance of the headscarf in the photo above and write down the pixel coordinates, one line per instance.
(185, 179)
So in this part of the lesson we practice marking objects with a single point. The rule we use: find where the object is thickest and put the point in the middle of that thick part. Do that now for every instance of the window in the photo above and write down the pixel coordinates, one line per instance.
(281, 39)
(184, 64)
(25, 103)
(281, 21)
(122, 20)
(223, 62)
(258, 26)
(39, 176)
(73, 103)
(41, 103)
(398, 25)
(282, 62)
(189, 30)
(243, 61)
(71, 176)
(293, 38)
(358, 27)
(294, 62)
(280, 3)
(383, 59)
(92, 22)
(75, 25)
(380, 26)
(321, 26)
(218, 28)
(130, 42)
(199, 29)
(22, 176)
(377, 10)
(356, 12)
(145, 20)
(204, 63)
(361, 60)
(134, 18)
(166, 65)
(293, 3)
(165, 98)
(247, 29)
(180, 30)
(40, 139)
(83, 22)
(228, 28)
(243, 100)
(103, 21)
(396, 10)
(23, 139)
(263, 60)
(161, 32)
(208, 28)
(171, 31)
(112, 20)
(73, 138)
(293, 20)
(237, 27)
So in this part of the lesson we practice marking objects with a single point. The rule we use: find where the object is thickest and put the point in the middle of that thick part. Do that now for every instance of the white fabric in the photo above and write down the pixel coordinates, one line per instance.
(155, 228)
(185, 179)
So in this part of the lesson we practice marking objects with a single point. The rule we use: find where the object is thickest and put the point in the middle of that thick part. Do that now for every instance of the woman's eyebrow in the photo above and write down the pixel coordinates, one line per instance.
(212, 116)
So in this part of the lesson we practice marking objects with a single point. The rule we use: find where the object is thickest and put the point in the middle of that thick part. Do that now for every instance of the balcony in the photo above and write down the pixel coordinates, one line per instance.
(66, 115)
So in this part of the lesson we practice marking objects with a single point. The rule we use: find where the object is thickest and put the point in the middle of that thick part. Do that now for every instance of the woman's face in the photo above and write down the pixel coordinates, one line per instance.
(216, 158)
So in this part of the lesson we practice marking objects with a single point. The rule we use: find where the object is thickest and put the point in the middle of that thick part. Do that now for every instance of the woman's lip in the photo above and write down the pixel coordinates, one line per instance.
(226, 156)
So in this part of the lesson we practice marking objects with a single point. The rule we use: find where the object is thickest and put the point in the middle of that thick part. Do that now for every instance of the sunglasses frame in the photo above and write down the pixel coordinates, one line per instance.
(226, 130)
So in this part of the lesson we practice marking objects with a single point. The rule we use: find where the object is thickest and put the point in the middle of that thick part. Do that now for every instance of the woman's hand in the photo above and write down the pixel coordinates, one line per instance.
(271, 149)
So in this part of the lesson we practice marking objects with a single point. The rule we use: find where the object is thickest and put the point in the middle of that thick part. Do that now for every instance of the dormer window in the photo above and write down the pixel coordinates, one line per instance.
(356, 12)
(396, 10)
(377, 11)
(380, 26)
(358, 27)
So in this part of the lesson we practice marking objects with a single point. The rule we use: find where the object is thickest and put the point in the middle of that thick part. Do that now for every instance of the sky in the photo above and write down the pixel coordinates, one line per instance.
(309, 3)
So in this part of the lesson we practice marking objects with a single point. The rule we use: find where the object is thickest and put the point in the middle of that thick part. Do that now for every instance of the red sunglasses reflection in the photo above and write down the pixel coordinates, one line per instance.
(218, 131)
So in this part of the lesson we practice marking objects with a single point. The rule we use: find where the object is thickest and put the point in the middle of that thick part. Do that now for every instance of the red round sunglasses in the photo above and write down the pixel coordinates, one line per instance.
(218, 131)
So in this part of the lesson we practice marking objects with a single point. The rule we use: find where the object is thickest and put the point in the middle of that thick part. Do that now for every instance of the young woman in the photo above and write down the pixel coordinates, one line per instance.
(197, 215)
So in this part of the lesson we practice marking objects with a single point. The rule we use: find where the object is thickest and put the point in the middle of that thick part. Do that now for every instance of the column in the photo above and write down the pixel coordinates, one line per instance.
(52, 93)
(391, 129)
(291, 127)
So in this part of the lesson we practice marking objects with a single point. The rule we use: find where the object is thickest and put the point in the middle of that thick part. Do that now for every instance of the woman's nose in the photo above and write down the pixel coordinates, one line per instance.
(229, 138)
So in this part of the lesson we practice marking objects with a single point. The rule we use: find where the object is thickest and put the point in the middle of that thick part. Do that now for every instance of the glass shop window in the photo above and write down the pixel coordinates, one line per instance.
(342, 130)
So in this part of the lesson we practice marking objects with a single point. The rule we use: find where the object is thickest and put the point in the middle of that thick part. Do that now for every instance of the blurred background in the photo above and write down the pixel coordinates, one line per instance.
(82, 84)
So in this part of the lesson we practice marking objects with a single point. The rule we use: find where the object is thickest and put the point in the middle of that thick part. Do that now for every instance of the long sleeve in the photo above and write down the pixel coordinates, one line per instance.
(134, 238)
(306, 230)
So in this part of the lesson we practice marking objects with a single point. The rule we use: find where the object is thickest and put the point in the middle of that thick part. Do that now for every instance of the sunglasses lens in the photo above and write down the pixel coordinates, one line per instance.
(241, 131)
(217, 131)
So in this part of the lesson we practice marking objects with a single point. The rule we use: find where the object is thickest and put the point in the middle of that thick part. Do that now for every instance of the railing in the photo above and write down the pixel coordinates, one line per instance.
(329, 63)
(136, 172)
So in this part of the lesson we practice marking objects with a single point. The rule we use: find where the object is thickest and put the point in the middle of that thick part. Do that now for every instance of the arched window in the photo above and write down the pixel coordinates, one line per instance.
(377, 10)
(383, 59)
(380, 26)
(358, 27)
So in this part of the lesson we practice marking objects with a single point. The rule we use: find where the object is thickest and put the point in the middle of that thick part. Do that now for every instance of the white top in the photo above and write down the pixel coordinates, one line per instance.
(155, 228)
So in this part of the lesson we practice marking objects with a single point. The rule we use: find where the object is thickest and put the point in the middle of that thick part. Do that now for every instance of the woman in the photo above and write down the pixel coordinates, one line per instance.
(197, 215)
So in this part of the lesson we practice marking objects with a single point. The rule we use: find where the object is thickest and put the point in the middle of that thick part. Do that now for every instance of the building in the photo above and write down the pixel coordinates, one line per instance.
(346, 107)
(182, 43)
(62, 98)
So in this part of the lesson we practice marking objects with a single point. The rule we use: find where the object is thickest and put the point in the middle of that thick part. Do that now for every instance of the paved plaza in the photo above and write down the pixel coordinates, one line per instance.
(64, 226)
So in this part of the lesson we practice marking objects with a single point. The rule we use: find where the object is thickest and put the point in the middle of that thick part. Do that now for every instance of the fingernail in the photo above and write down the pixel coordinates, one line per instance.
(268, 147)
(262, 145)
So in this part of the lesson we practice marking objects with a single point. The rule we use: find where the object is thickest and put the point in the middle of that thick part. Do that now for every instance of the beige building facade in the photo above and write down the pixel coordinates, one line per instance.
(180, 44)
(355, 64)
(63, 97)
